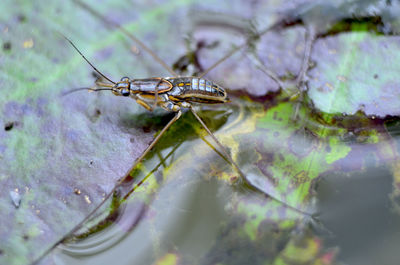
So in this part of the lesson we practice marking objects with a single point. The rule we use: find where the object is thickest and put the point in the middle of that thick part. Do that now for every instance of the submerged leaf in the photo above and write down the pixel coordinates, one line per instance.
(62, 155)
(347, 81)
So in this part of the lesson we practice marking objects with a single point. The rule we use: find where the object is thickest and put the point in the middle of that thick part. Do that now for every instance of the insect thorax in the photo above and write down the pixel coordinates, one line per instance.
(150, 85)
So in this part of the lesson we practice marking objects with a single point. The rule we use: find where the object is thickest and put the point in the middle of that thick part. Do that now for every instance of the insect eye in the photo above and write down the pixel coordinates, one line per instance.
(125, 92)
(124, 79)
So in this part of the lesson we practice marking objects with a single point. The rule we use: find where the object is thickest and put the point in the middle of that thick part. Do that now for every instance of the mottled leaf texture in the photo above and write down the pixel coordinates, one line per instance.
(296, 129)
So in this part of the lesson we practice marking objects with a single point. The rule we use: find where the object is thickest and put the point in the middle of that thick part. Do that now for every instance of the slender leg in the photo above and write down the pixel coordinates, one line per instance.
(310, 37)
(258, 63)
(164, 104)
(162, 162)
(237, 48)
(127, 33)
(140, 158)
(229, 54)
(178, 113)
(218, 143)
(155, 57)
(144, 104)
(161, 159)
(238, 169)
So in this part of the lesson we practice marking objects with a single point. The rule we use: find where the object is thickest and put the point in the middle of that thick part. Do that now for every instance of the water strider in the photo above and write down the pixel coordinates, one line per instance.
(175, 93)
(170, 93)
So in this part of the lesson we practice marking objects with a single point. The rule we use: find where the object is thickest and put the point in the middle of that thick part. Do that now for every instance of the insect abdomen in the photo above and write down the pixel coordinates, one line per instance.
(197, 90)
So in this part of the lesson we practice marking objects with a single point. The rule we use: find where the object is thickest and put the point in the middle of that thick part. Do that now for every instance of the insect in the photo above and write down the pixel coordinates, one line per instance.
(172, 93)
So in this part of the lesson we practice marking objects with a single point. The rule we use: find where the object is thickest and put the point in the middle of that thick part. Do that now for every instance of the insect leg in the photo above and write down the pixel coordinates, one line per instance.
(218, 143)
(310, 37)
(248, 42)
(138, 160)
(300, 80)
(162, 162)
(153, 143)
(229, 54)
(238, 169)
(127, 33)
(260, 65)
(236, 49)
(144, 104)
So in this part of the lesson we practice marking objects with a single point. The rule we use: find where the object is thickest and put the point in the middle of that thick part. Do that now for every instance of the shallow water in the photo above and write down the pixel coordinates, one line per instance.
(194, 208)
(357, 211)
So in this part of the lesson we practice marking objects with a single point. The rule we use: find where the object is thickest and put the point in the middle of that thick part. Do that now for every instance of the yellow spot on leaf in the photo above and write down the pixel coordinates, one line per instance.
(302, 251)
(168, 259)
(28, 43)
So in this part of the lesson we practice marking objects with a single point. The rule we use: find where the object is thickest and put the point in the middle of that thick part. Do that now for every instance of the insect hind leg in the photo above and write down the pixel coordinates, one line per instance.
(224, 151)
(233, 163)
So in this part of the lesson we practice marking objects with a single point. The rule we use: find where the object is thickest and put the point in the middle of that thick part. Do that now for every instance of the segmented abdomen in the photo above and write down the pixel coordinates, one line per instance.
(197, 89)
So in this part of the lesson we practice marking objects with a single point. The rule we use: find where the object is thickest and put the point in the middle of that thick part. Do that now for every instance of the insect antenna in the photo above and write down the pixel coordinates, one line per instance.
(83, 56)
(90, 89)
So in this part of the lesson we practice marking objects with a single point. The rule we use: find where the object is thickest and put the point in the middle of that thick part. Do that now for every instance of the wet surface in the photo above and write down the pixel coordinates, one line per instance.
(359, 215)
(317, 137)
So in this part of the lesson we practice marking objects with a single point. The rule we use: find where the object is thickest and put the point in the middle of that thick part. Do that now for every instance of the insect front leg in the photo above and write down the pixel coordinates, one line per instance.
(142, 102)
(162, 101)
